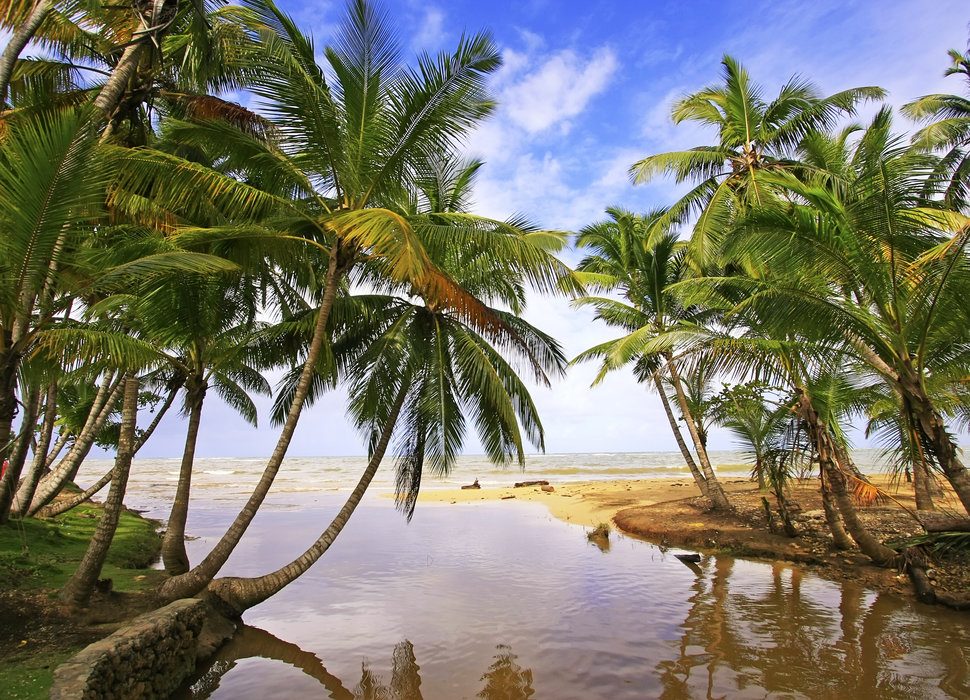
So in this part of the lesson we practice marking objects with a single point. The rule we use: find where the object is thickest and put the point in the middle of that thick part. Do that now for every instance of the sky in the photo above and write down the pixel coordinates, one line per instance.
(585, 90)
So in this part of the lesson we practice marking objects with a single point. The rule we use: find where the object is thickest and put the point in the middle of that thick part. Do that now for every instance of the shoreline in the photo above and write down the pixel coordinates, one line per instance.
(670, 512)
(586, 503)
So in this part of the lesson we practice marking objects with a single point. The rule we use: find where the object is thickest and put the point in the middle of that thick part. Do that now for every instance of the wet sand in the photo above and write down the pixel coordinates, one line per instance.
(586, 503)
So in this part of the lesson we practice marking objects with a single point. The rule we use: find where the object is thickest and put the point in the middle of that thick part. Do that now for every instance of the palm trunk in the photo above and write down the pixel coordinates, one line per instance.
(9, 364)
(62, 437)
(26, 491)
(52, 484)
(109, 99)
(18, 41)
(944, 450)
(688, 458)
(28, 424)
(825, 446)
(158, 419)
(193, 581)
(79, 587)
(174, 556)
(839, 536)
(239, 594)
(52, 509)
(929, 420)
(716, 493)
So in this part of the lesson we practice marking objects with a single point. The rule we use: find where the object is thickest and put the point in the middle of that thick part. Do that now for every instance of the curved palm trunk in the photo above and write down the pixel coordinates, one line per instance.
(143, 438)
(78, 589)
(928, 418)
(715, 492)
(26, 491)
(944, 450)
(149, 29)
(825, 446)
(9, 363)
(174, 557)
(18, 456)
(688, 458)
(18, 41)
(52, 484)
(62, 437)
(52, 509)
(839, 536)
(240, 594)
(194, 580)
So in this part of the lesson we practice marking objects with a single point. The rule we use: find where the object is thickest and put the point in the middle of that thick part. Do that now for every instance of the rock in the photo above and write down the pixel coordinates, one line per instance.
(690, 558)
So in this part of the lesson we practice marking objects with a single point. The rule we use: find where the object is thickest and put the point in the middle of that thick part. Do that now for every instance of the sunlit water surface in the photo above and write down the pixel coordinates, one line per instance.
(500, 600)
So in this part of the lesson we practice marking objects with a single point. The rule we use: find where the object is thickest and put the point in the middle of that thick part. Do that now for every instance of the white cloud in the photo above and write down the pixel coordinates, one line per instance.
(558, 89)
(431, 29)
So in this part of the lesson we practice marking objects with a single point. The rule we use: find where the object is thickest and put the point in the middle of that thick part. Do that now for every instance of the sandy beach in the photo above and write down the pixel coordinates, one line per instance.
(670, 512)
(586, 503)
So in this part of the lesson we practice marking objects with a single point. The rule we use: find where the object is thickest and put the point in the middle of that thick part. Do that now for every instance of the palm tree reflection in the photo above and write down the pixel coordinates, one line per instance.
(505, 679)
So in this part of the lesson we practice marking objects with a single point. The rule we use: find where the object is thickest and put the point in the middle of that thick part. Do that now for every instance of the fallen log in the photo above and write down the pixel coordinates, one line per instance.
(520, 484)
(937, 522)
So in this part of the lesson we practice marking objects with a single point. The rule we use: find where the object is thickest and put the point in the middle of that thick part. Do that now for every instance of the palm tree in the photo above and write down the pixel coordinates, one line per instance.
(205, 331)
(79, 587)
(949, 132)
(54, 154)
(420, 368)
(869, 263)
(347, 148)
(632, 255)
(754, 136)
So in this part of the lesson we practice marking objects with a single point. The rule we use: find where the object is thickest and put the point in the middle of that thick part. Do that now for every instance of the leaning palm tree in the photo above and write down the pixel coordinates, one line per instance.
(422, 370)
(894, 275)
(949, 131)
(205, 330)
(754, 136)
(349, 140)
(634, 256)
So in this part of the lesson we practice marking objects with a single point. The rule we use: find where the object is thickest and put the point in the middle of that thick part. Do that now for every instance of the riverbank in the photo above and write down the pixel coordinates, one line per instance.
(36, 558)
(668, 512)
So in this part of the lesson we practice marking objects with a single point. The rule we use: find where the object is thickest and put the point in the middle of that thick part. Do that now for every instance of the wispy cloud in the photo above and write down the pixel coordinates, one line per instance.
(557, 89)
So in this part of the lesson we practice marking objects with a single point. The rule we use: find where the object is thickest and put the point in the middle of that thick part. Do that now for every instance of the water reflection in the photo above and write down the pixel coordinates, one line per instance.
(758, 641)
(505, 679)
(627, 624)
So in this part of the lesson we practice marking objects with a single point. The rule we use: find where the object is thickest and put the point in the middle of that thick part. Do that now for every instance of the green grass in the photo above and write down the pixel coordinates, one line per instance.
(37, 554)
(32, 677)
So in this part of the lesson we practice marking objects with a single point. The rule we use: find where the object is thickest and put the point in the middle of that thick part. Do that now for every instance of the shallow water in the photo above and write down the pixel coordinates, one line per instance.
(500, 600)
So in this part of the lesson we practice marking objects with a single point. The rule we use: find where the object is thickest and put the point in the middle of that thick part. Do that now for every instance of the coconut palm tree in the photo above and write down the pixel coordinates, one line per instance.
(349, 141)
(949, 132)
(865, 261)
(79, 587)
(422, 370)
(754, 136)
(634, 256)
(205, 330)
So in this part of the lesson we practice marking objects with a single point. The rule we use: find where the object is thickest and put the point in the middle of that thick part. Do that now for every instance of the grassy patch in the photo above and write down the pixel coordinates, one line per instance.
(30, 677)
(37, 556)
(43, 553)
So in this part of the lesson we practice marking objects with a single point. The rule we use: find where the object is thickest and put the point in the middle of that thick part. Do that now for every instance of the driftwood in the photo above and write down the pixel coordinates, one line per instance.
(937, 522)
(520, 484)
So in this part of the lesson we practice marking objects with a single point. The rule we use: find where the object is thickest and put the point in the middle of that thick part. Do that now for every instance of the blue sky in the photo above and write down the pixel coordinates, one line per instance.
(585, 91)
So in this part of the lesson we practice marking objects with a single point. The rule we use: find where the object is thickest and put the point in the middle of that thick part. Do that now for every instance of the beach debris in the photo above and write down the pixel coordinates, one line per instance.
(505, 498)
(689, 557)
(548, 489)
(475, 485)
(600, 536)
(520, 484)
